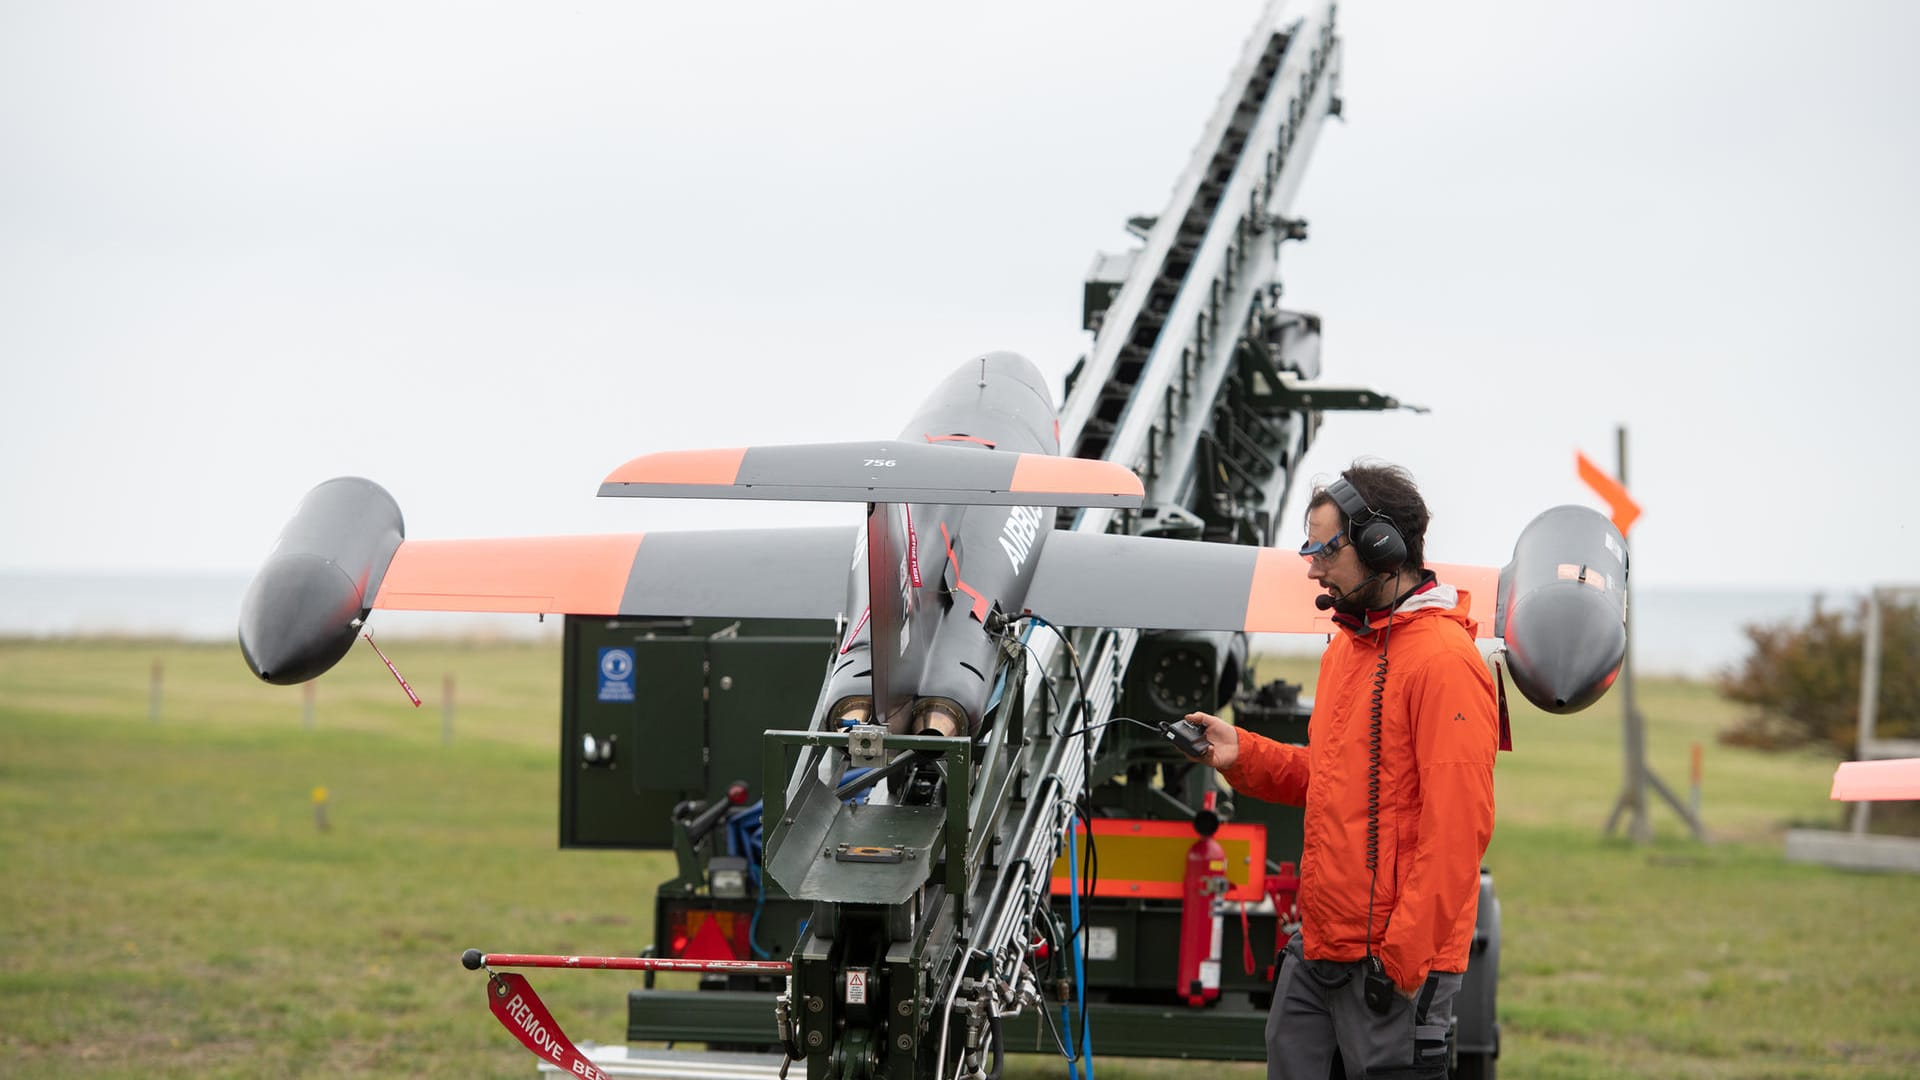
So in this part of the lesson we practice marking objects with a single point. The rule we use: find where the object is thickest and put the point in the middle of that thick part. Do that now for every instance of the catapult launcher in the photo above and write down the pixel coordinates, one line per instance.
(918, 772)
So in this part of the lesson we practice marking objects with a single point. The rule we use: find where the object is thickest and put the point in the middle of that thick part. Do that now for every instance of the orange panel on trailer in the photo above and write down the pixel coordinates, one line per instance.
(1145, 859)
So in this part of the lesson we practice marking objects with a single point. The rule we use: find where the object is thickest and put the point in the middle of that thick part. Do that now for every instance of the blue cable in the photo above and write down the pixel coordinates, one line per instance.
(860, 797)
(745, 838)
(1079, 955)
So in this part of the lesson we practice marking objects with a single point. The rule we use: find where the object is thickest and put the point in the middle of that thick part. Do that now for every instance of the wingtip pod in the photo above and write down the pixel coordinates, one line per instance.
(302, 609)
(1562, 608)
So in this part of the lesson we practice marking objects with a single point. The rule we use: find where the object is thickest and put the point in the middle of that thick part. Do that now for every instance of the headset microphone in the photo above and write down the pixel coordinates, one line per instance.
(1324, 602)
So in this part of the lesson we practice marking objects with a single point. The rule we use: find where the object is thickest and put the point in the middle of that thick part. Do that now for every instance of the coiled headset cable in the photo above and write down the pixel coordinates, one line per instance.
(1377, 987)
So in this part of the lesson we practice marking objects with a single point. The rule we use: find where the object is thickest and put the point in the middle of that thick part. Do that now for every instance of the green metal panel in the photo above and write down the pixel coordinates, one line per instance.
(703, 691)
(670, 728)
(602, 805)
(722, 1016)
(1146, 960)
(1224, 1033)
(757, 683)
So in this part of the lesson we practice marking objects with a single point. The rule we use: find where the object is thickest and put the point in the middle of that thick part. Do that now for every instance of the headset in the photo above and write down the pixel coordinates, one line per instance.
(1376, 539)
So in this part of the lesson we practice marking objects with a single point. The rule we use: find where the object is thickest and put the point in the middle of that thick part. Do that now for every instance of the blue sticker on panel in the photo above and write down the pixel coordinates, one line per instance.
(616, 674)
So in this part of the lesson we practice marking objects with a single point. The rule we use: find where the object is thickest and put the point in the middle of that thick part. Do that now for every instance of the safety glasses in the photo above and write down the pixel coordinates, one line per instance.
(1324, 551)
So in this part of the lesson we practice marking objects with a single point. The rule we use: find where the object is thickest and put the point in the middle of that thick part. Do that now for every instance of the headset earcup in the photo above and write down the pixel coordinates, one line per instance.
(1382, 547)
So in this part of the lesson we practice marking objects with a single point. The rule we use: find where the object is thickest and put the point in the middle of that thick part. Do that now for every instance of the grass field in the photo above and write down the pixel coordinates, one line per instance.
(171, 907)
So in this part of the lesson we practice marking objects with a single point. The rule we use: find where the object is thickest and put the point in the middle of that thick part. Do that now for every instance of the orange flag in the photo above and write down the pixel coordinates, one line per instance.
(1625, 510)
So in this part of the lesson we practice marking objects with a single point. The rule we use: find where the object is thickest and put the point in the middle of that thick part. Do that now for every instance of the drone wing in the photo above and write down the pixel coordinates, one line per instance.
(887, 472)
(1093, 579)
(305, 607)
(735, 573)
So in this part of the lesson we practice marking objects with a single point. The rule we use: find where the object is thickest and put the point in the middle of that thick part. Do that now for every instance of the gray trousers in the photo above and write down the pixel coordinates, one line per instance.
(1319, 1006)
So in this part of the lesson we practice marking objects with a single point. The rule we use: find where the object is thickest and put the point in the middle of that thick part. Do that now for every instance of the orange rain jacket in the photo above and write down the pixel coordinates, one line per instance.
(1438, 735)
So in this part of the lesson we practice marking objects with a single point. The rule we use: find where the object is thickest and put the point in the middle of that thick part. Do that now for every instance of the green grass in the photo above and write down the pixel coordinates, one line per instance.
(171, 908)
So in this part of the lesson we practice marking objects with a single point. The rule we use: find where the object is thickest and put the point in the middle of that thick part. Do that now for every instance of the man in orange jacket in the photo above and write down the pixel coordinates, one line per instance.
(1397, 782)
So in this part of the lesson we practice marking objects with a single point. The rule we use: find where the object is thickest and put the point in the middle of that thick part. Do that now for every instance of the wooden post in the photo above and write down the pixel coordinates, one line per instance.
(1869, 699)
(1639, 777)
(1633, 742)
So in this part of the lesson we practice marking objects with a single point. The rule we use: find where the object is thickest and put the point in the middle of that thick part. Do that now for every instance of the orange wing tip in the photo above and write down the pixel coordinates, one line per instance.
(717, 467)
(1481, 584)
(1079, 476)
(1876, 781)
(576, 575)
(1280, 597)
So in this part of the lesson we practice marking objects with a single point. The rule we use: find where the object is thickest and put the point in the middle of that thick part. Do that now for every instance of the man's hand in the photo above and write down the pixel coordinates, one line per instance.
(1223, 737)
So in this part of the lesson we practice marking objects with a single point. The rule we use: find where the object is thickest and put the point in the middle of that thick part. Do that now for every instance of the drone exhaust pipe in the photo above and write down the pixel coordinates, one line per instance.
(305, 605)
(1562, 608)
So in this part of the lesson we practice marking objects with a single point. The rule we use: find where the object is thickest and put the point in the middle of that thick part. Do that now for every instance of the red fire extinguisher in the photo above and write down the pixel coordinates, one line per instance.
(1200, 928)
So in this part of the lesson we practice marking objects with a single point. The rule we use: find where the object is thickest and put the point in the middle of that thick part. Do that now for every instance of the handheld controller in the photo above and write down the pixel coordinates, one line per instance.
(1187, 737)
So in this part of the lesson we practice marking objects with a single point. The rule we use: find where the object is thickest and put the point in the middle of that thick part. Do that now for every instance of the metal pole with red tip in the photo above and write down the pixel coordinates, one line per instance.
(474, 960)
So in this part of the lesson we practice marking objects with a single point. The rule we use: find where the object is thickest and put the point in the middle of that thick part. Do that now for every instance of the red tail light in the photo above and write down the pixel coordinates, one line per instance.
(703, 934)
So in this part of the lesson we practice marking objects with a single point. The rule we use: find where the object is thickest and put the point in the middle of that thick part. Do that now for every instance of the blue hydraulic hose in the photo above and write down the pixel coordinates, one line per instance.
(1079, 954)
(745, 839)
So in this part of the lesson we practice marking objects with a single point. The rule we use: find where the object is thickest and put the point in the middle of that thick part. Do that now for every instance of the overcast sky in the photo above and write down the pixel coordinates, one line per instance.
(485, 253)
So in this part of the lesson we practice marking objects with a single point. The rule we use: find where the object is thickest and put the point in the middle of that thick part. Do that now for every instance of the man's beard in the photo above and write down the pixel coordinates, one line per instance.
(1363, 599)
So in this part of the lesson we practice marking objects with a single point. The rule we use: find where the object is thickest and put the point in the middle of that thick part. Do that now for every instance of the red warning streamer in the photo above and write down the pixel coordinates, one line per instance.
(521, 1011)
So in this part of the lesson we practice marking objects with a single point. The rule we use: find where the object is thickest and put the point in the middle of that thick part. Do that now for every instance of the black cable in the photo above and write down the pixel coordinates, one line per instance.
(1376, 706)
(1079, 679)
(1092, 876)
(1059, 1044)
(871, 777)
(1105, 723)
(1046, 681)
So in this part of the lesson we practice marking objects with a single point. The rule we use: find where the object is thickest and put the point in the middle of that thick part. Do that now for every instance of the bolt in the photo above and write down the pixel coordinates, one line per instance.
(904, 1042)
(815, 1038)
(906, 1007)
(814, 1004)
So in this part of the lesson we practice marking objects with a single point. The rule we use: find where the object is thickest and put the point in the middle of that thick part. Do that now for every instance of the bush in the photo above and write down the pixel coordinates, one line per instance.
(1803, 680)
